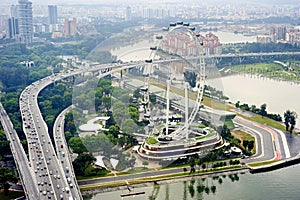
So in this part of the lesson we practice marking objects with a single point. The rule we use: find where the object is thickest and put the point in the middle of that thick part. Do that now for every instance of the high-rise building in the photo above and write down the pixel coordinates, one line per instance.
(70, 27)
(25, 21)
(128, 14)
(13, 27)
(14, 11)
(52, 14)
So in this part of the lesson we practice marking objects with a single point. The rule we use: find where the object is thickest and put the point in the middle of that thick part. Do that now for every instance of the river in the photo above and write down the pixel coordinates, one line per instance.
(282, 184)
(276, 185)
(278, 95)
(140, 50)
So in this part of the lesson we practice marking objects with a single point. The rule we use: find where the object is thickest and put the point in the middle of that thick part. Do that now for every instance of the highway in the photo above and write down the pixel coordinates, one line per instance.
(50, 178)
(62, 150)
(24, 168)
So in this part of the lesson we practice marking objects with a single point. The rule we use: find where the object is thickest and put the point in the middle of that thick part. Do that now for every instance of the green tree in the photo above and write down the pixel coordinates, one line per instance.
(245, 143)
(263, 110)
(251, 145)
(129, 126)
(76, 145)
(287, 116)
(82, 162)
(6, 175)
(292, 120)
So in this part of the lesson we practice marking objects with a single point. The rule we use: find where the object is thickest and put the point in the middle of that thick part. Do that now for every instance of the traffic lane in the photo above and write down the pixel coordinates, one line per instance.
(293, 143)
(268, 145)
(40, 130)
(58, 130)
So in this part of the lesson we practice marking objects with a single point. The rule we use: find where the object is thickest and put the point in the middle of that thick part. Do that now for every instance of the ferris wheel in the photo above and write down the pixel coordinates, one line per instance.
(179, 42)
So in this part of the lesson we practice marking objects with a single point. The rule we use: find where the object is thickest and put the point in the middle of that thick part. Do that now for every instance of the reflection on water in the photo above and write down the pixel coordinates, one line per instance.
(276, 185)
(278, 95)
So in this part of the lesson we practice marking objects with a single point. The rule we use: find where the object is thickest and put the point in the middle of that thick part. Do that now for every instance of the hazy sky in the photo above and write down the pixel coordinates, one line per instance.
(152, 1)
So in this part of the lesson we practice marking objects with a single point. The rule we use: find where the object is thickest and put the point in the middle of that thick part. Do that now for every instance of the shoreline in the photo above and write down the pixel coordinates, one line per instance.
(208, 174)
(163, 181)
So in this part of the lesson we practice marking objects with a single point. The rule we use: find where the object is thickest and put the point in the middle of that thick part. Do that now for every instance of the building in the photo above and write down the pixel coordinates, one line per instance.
(25, 21)
(70, 27)
(278, 33)
(182, 44)
(13, 28)
(128, 14)
(14, 11)
(52, 14)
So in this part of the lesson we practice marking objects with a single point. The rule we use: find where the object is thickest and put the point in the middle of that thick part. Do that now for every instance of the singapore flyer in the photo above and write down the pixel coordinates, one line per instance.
(152, 105)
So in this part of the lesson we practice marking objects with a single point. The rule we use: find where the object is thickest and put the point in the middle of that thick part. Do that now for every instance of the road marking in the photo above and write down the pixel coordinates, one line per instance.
(285, 144)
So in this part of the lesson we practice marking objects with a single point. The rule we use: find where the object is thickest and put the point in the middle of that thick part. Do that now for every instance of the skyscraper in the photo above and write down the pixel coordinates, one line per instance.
(70, 27)
(52, 14)
(14, 11)
(13, 27)
(128, 14)
(25, 21)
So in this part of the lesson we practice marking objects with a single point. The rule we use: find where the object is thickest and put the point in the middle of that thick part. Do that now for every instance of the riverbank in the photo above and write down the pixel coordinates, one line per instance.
(135, 183)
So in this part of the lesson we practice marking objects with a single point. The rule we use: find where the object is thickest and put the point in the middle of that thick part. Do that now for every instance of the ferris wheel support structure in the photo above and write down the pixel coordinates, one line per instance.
(200, 80)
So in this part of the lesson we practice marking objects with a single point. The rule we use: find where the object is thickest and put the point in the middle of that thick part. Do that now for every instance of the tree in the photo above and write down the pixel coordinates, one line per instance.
(293, 121)
(290, 120)
(129, 126)
(263, 110)
(251, 145)
(82, 162)
(287, 115)
(237, 104)
(245, 143)
(77, 145)
(6, 175)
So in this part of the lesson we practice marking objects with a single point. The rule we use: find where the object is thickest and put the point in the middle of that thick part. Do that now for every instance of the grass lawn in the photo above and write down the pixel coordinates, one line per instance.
(229, 124)
(241, 135)
(151, 140)
(268, 121)
(271, 70)
(205, 136)
(262, 163)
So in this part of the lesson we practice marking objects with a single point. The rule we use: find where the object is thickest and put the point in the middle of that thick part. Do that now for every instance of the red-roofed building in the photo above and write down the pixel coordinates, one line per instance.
(183, 44)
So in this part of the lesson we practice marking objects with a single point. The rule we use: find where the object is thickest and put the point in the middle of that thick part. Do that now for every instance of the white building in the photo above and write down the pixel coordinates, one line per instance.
(25, 21)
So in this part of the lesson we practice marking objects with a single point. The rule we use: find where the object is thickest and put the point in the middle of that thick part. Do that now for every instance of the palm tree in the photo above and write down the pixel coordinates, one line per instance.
(290, 120)
(293, 121)
(263, 109)
(287, 116)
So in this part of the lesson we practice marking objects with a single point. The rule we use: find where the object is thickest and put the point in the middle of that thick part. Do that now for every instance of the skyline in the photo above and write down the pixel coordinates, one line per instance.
(129, 2)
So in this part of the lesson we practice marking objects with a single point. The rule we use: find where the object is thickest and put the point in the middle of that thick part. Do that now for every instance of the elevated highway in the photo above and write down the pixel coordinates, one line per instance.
(24, 167)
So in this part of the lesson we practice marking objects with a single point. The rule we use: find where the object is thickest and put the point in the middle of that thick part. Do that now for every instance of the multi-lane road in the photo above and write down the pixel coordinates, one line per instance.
(24, 167)
(51, 179)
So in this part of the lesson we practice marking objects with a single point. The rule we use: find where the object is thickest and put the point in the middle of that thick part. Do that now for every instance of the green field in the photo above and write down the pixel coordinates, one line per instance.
(271, 70)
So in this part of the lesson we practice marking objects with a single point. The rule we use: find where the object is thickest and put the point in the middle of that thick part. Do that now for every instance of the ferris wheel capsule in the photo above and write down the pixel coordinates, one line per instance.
(172, 24)
(153, 48)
